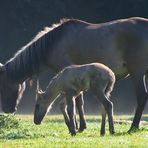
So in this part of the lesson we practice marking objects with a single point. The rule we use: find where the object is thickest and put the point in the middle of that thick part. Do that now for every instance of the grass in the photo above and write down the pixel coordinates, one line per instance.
(53, 133)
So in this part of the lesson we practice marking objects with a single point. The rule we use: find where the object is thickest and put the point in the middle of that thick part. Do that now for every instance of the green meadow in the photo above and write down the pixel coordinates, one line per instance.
(19, 131)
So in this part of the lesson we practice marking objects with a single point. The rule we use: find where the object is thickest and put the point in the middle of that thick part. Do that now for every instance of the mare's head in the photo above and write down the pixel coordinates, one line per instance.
(10, 93)
(41, 107)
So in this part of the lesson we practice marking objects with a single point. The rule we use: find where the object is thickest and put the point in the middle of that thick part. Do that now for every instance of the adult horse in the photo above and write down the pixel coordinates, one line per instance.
(122, 45)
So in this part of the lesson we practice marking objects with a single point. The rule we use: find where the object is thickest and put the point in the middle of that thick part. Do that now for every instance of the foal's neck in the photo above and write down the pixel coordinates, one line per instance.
(52, 90)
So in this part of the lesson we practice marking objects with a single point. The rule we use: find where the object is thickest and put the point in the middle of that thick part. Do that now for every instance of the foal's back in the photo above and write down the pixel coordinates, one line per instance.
(79, 77)
(91, 69)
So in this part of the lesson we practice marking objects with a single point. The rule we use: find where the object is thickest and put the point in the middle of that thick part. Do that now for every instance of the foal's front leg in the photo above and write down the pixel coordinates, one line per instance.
(80, 107)
(63, 108)
(71, 113)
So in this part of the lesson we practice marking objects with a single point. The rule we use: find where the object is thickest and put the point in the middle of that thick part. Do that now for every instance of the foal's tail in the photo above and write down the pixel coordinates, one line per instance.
(110, 85)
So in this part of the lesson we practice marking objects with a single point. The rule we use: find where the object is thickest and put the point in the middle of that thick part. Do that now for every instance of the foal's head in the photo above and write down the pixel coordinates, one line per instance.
(10, 93)
(41, 107)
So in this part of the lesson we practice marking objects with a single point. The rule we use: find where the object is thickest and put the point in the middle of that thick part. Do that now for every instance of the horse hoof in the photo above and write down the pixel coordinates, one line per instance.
(112, 132)
(132, 130)
(73, 134)
(102, 134)
(81, 129)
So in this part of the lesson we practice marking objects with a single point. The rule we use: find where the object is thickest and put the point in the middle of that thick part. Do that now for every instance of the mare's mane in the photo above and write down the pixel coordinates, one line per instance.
(45, 31)
(30, 57)
(39, 35)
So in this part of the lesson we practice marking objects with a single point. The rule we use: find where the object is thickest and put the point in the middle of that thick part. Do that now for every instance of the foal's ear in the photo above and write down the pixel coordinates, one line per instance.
(39, 92)
(38, 89)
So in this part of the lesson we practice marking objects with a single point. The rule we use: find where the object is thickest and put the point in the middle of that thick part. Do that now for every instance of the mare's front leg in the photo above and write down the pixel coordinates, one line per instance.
(141, 99)
(80, 107)
(71, 112)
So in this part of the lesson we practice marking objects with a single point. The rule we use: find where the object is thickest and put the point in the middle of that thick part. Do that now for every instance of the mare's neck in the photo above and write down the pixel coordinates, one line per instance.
(20, 73)
(27, 63)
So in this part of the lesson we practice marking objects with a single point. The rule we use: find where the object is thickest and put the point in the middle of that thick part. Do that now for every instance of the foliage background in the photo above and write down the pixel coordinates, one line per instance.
(20, 20)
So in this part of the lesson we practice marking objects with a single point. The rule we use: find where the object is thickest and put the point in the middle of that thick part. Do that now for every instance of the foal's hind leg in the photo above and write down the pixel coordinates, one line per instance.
(80, 107)
(141, 100)
(97, 90)
(109, 109)
(103, 122)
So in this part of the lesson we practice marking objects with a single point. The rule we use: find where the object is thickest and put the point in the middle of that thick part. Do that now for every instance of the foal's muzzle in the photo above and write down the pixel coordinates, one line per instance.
(37, 121)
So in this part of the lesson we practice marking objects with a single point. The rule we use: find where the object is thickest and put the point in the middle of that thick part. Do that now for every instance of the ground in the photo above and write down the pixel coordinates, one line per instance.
(22, 133)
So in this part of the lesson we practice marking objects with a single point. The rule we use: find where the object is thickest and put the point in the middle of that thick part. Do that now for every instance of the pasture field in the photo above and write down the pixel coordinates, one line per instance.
(52, 133)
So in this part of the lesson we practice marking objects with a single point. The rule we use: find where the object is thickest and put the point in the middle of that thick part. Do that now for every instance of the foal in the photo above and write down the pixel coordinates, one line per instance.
(70, 82)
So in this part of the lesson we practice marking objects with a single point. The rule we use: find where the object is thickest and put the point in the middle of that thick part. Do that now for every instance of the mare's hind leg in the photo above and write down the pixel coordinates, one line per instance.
(103, 122)
(141, 100)
(80, 107)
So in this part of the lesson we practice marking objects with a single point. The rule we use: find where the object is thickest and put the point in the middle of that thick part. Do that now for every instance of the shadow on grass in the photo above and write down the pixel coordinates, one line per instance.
(131, 133)
(55, 120)
(90, 120)
(143, 118)
(121, 134)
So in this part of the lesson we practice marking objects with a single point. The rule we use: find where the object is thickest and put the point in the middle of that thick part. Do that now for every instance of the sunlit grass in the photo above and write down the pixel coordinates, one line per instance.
(53, 133)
